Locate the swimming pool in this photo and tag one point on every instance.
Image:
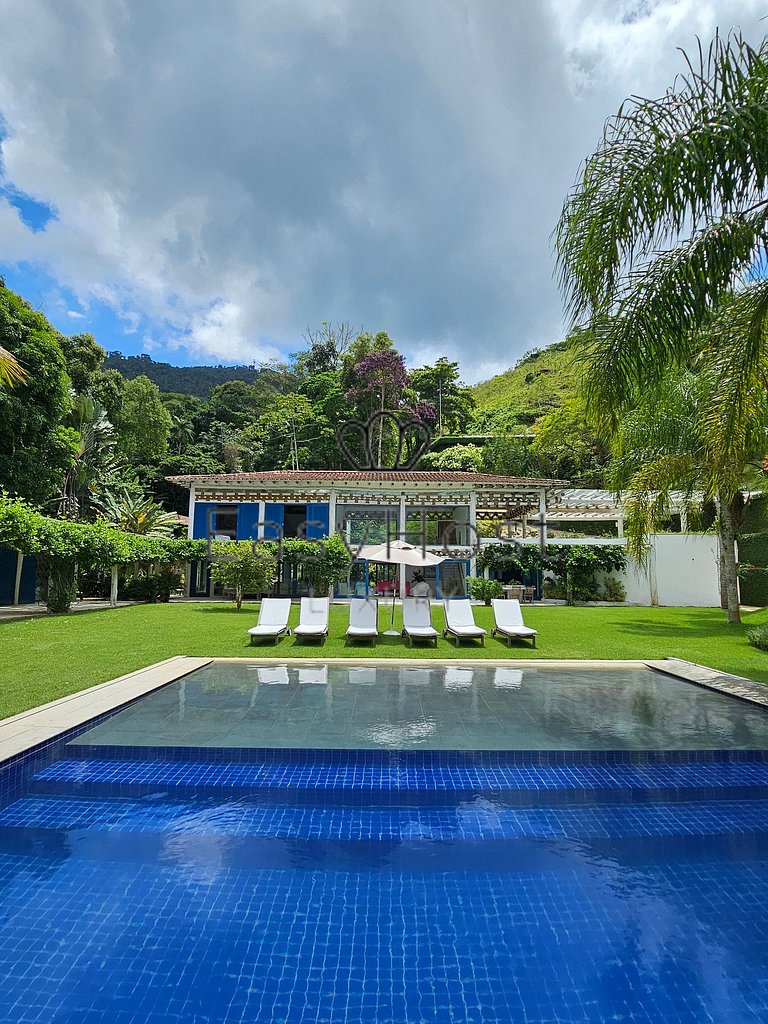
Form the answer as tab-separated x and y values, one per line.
148	873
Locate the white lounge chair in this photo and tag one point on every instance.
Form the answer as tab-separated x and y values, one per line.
417	620
363	619
509	622
273	619
460	622
313	618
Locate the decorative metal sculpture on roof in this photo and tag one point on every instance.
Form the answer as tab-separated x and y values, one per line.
363	450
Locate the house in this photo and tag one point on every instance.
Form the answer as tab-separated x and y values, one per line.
364	506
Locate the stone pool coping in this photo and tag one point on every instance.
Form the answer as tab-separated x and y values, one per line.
37	726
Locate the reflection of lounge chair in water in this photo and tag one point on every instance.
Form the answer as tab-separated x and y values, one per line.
508	678
313	674
276	675
458	678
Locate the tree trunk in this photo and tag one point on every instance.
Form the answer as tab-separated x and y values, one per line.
239	597
728	554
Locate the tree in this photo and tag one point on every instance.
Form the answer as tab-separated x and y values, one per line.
138	514
467	458
381	378
282	424
244	568
93	461
441	386
657	246
145	423
36	449
83	358
327	347
566	447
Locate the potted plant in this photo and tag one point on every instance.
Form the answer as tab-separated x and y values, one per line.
485	590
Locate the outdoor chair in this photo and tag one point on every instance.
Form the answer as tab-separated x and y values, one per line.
460	622
363	619
273	619
509	622
313	618
417	620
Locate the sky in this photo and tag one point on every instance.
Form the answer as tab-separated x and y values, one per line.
203	180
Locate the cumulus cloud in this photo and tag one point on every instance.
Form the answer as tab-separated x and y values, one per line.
226	174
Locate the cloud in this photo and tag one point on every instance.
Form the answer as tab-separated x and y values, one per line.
223	175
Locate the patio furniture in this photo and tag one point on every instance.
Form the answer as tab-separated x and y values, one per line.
514	591
417	620
363	619
313	618
529	595
509	622
460	622
273	619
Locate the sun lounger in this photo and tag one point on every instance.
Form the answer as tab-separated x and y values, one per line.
313	618
509	622
460	622
363	619
417	620
273	619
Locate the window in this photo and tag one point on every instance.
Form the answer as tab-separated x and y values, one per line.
225	521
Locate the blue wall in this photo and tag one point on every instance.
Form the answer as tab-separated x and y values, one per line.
8	577
247	518
318	512
200	520
273	513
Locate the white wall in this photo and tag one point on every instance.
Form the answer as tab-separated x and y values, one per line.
683	569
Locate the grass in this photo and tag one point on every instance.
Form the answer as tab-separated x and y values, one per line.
46	658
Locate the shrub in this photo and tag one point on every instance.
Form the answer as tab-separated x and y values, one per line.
153	587
758	636
753	548
753	585
244	568
553	590
614	590
484	590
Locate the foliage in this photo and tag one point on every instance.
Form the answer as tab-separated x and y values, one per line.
187	380
614	590
753	580
11	370
755	515
484	590
145	423
138	515
83	359
753	548
153	587
245	568
466	458
322	562
529	390
565	447
37	449
758	636
94	464
575	566
440	386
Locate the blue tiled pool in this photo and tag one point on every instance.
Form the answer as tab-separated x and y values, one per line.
186	882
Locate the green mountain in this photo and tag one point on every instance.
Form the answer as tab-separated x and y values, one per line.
183	380
540	382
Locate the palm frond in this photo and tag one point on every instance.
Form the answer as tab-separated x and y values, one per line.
11	370
667	167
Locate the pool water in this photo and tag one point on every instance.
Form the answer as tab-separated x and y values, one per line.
189	882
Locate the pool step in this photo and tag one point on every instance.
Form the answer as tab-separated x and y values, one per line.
473	820
397	784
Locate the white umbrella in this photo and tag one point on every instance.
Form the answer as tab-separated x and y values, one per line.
398	552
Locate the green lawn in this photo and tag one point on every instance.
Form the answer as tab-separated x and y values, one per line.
42	659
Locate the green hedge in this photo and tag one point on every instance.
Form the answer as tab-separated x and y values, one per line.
753	549
753	585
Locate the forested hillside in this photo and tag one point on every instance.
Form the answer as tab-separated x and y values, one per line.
185	380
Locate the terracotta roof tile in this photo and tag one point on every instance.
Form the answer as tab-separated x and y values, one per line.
352	476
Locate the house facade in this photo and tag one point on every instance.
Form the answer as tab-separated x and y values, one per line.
364	506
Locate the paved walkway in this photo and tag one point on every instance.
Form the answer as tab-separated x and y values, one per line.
28	611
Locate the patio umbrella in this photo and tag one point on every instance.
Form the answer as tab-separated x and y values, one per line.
398	552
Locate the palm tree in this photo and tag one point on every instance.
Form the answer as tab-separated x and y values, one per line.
657	249
11	370
94	457
139	515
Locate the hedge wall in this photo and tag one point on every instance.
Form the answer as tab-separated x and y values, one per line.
753	585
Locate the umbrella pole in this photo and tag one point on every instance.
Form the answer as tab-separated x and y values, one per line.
392	631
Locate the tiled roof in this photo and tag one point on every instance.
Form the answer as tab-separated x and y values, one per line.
355	476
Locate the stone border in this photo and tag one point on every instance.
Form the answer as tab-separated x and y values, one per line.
712	679
38	725
473	662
